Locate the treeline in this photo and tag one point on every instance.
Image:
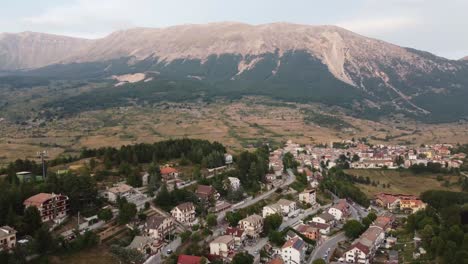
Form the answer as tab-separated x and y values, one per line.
338	183
197	151
431	167
443	226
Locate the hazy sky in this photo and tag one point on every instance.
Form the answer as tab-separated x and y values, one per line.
438	26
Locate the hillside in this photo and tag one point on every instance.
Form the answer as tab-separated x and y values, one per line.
290	62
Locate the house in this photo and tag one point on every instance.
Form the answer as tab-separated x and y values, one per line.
51	206
234	183
141	243
308	197
363	249
252	225
388	201
324	229
168	173
283	207
184	213
187	259
277	260
222	246
221	206
205	192
158	227
145	179
7	238
384	222
118	191
324	218
411	205
308	231
237	233
271	210
293	251
339	210
287	207
228	159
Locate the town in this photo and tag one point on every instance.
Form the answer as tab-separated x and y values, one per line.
202	205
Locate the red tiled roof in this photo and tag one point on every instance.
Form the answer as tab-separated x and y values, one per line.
37	199
168	170
277	260
186	259
205	190
237	232
361	247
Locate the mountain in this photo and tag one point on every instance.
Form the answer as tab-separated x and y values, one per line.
34	50
286	61
464	58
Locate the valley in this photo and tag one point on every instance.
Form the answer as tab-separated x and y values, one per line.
239	124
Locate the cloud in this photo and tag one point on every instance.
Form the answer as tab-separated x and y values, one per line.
379	25
89	17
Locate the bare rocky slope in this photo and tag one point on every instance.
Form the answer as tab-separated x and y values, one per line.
309	57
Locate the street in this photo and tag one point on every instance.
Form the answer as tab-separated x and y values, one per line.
331	243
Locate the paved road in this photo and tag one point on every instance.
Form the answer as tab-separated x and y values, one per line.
156	259
290	222
331	243
291	178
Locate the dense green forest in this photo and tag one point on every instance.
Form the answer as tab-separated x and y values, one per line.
443	226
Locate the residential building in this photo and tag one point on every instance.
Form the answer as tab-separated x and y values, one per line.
283	207
234	183
309	231
293	251
324	229
388	201
288	207
411	205
252	225
324	218
7	238
206	192
158	227
237	233
141	243
222	246
118	191
339	210
168	173
228	159
308	197
51	206
363	249
184	213
277	260
187	259
271	210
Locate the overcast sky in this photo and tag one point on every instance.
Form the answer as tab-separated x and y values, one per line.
438	26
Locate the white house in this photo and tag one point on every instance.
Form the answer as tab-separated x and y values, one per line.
120	190
228	159
271	210
234	183
308	197
293	251
158	227
324	218
184	213
288	207
363	249
252	225
222	246
339	210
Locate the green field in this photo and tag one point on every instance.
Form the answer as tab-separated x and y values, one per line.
404	182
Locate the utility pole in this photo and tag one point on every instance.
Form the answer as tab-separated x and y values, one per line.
43	156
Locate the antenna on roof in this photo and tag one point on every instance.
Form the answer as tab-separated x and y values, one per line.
43	155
